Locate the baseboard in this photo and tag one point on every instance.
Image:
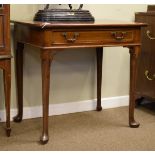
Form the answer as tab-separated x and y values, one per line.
71	107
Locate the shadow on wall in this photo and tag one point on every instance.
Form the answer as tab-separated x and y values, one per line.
71	70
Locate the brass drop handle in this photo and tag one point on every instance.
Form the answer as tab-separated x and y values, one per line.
73	39
147	76
118	35
148	33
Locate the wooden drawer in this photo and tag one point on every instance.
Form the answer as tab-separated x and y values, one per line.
92	37
1	32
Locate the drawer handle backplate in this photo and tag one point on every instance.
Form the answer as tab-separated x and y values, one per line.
147	76
148	33
118	35
71	40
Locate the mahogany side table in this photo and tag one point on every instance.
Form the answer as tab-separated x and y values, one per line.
49	37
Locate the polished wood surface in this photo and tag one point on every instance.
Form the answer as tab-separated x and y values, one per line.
5	59
50	37
146	62
97	23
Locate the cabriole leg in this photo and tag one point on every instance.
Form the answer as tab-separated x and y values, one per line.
134	52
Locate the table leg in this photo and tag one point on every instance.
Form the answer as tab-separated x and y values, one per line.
19	81
99	55
134	52
7	90
46	58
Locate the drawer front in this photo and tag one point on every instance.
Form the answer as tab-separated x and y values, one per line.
145	82
92	37
1	32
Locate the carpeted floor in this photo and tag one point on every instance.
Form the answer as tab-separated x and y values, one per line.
106	130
